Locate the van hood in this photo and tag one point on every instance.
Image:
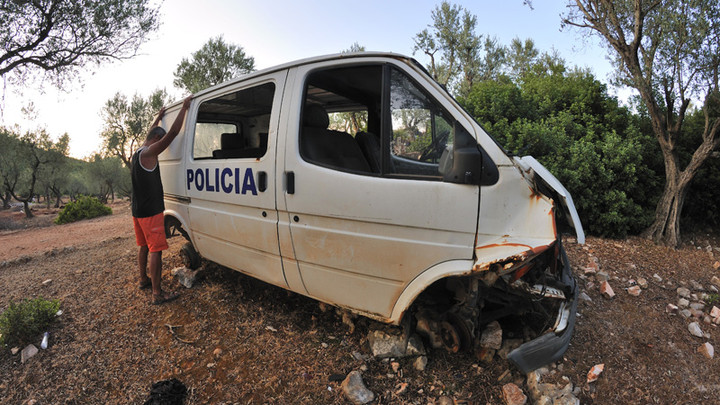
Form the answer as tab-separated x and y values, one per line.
544	182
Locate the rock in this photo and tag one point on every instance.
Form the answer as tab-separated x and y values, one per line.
14	350
595	372
508	346
28	352
420	363
385	345
714	312
685	313
395	366
401	388
683	292
715	280
585	297
606	290
46	282
634	290
592	267
560	393
696	286
485	355
513	395
602	276
707	350
707	320
445	400
695	330
427	327
671	309
696	313
185	276
355	389
217	352
643	283
683	303
657	278
697	306
716	265
491	337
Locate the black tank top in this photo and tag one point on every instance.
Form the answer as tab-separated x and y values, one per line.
147	189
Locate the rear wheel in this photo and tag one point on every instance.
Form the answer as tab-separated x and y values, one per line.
189	256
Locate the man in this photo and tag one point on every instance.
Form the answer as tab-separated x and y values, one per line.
148	204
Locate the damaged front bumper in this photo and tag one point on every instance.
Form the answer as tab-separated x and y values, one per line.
551	346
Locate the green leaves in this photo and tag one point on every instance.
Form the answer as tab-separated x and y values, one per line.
84	208
580	133
23	322
58	38
216	62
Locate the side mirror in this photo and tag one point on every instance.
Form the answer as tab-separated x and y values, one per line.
466	163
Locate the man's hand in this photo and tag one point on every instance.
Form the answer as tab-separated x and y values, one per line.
158	118
186	102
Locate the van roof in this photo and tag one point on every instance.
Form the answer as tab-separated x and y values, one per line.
315	59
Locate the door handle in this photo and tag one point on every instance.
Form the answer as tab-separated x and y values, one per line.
290	182
262	181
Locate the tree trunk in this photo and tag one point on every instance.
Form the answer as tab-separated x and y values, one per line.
5	197
26	208
665	228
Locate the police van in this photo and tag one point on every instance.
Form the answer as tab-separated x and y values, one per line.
357	180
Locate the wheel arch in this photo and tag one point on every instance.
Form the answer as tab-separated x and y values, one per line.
172	217
423	281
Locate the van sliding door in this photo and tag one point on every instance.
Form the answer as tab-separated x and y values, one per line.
229	177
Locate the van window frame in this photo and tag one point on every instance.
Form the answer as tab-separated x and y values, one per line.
239	87
385	115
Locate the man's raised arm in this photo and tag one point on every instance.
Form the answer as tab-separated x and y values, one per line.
159	146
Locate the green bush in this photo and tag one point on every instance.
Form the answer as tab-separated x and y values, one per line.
84	207
22	322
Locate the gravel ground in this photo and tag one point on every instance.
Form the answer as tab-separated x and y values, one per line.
232	339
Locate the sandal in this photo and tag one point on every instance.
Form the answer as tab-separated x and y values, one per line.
163	298
144	285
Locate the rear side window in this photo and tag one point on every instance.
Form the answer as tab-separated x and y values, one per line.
234	125
340	113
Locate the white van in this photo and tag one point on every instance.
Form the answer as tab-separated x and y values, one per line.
357	180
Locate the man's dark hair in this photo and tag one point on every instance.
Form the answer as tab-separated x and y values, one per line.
156	132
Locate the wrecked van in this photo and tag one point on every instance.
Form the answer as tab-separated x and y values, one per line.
357	180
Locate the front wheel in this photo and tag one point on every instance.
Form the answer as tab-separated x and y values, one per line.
189	256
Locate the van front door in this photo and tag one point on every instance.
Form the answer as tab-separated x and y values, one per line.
365	220
229	177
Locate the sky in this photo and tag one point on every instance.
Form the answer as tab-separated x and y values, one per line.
275	32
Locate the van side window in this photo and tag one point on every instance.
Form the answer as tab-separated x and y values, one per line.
341	124
340	119
234	125
421	131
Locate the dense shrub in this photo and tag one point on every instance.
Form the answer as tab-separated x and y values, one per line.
583	136
23	322
83	208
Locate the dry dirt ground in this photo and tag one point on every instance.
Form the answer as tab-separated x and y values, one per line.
231	339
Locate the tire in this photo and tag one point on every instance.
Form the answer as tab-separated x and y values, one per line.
189	256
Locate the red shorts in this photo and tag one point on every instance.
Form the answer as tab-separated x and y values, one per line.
150	232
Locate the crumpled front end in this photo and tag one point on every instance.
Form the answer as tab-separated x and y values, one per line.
550	346
519	295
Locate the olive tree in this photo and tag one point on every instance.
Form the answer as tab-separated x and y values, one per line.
216	62
127	122
57	38
669	51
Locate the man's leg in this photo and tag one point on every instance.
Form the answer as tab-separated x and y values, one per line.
142	266
156	272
